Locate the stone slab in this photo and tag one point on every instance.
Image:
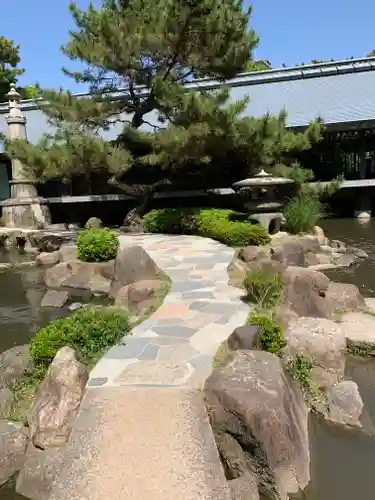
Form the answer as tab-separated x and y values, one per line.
142	443
155	372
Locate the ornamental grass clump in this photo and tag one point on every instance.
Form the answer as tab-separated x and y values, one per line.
97	245
264	288
302	213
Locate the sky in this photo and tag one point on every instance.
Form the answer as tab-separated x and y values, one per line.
291	31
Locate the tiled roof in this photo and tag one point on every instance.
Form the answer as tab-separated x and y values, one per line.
338	92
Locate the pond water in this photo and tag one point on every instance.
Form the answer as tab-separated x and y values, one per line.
342	462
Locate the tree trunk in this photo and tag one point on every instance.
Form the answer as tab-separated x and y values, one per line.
144	195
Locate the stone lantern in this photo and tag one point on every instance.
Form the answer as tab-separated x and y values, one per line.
24	208
259	197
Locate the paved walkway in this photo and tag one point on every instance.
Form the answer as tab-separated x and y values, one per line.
176	345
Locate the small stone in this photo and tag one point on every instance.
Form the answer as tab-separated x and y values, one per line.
319	234
94	223
14	364
75	306
55	298
243	337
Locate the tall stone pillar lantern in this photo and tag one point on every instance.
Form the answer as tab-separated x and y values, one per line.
24	208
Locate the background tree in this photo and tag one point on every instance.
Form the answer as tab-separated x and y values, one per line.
9	60
139	56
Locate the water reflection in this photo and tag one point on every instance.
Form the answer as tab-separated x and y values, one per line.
360	235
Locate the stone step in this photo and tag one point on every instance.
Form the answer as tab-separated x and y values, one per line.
137	443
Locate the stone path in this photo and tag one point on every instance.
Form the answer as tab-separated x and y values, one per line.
176	345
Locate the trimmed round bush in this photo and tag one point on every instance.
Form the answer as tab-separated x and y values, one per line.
97	245
89	331
231	228
93	222
227	226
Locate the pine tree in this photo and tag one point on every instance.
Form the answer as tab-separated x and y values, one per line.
9	60
139	57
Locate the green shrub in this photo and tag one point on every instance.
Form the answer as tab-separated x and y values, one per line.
302	213
226	226
271	336
97	245
90	331
264	288
170	221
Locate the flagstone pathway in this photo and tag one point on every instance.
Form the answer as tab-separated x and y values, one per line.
176	345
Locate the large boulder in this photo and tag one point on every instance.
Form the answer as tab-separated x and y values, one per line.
344	296
345	405
323	342
139	297
57	401
14	364
13	442
291	254
265	434
133	264
93	276
304	292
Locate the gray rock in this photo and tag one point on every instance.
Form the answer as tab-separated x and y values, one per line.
319	234
39	471
358	253
6	401
251	253
57	401
92	276
290	254
265	434
345	296
304	292
244	487
345	405
13	442
139	297
237	271
93	223
14	364
338	246
343	259
131	265
48	258
322	341
243	337
55	298
75	306
316	259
